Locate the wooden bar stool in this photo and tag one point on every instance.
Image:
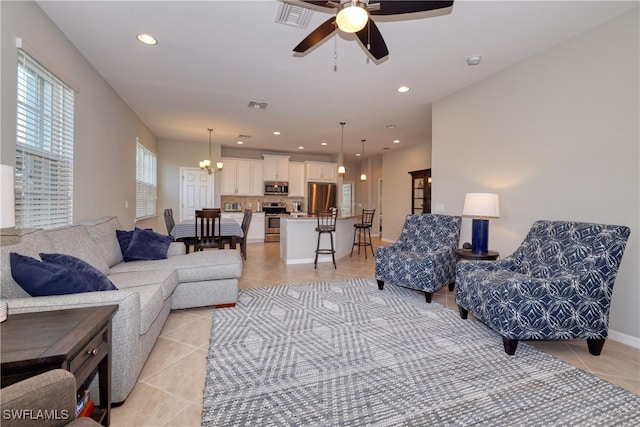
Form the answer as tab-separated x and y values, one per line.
326	225
362	232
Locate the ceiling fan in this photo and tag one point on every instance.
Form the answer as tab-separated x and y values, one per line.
353	16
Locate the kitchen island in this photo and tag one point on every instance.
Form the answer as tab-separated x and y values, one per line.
298	239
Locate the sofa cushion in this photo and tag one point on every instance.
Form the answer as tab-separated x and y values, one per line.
96	278
147	245
75	240
167	279
195	267
31	243
103	232
43	278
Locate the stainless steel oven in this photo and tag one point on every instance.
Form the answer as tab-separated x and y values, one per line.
273	211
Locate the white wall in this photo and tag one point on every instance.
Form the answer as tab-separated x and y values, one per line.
396	187
557	136
105	127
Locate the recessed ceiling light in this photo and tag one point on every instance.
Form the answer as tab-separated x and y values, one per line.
240	142
147	39
396	141
474	60
357	154
301	148
276	132
323	143
391	126
403	89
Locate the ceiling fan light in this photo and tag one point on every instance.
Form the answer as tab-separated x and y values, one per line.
352	17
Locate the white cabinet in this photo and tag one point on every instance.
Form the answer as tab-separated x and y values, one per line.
256	226
321	172
296	179
241	177
276	168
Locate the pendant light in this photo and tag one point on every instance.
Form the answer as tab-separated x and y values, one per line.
205	165
341	169
363	176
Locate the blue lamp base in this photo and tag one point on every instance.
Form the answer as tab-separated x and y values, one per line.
480	235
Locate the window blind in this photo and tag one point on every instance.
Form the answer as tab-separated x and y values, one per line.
44	147
146	181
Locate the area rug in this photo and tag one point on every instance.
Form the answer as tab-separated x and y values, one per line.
347	354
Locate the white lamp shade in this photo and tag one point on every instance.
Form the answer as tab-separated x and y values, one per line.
8	208
481	205
352	19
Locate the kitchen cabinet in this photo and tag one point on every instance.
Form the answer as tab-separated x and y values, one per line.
296	179
321	172
241	177
421	191
256	227
276	168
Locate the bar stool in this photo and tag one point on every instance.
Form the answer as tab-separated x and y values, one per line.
326	225
362	232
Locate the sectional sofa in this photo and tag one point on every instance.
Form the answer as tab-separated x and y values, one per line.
146	290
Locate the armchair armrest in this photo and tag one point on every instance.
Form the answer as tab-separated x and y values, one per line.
52	393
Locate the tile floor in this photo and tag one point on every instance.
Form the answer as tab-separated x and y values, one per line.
169	389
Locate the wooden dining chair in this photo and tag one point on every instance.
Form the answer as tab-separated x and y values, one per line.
207	230
246	221
170	223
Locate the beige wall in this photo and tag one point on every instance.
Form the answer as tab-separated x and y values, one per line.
105	127
396	192
557	137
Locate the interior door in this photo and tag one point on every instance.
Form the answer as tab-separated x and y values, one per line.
196	191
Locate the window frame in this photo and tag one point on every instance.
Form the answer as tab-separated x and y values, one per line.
146	182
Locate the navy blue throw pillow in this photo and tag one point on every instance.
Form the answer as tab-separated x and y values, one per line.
97	280
147	245
124	239
43	279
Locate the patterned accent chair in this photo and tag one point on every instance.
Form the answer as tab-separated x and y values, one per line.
423	257
556	285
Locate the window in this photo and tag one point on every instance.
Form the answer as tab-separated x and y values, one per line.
146	182
44	147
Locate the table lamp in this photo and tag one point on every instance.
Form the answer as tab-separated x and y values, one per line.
480	207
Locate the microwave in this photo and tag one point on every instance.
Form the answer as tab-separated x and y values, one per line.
276	188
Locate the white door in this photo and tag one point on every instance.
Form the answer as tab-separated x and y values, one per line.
196	192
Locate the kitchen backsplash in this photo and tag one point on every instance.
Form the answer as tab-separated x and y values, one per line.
251	202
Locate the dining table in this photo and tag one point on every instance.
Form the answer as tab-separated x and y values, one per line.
229	228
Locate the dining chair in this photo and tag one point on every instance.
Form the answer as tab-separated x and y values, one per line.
170	223
246	221
207	230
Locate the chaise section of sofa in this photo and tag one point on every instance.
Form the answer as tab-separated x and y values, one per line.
147	290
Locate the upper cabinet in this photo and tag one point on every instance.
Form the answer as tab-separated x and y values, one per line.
321	172
241	177
276	168
296	179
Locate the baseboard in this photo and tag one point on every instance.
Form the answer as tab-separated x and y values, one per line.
625	339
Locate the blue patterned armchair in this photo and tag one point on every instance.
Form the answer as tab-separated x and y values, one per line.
423	257
556	285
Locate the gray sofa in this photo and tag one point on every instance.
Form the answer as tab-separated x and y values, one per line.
147	290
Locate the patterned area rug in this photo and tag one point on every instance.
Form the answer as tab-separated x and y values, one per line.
347	354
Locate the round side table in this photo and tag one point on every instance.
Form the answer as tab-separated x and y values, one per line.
476	256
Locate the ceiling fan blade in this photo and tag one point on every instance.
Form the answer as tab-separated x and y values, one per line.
370	35
317	35
400	6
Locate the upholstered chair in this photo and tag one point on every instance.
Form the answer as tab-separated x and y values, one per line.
556	285
423	257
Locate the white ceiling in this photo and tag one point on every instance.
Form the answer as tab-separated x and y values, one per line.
213	57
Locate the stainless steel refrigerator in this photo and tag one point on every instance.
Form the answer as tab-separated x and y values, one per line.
320	197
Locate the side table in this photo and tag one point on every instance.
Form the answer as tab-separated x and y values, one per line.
78	340
476	256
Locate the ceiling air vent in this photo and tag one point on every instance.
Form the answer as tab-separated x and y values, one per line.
257	105
296	16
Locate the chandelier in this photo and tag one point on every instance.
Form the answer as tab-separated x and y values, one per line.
205	165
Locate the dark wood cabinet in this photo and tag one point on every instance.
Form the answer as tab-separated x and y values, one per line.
421	191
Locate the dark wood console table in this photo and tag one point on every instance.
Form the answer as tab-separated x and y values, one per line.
78	340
